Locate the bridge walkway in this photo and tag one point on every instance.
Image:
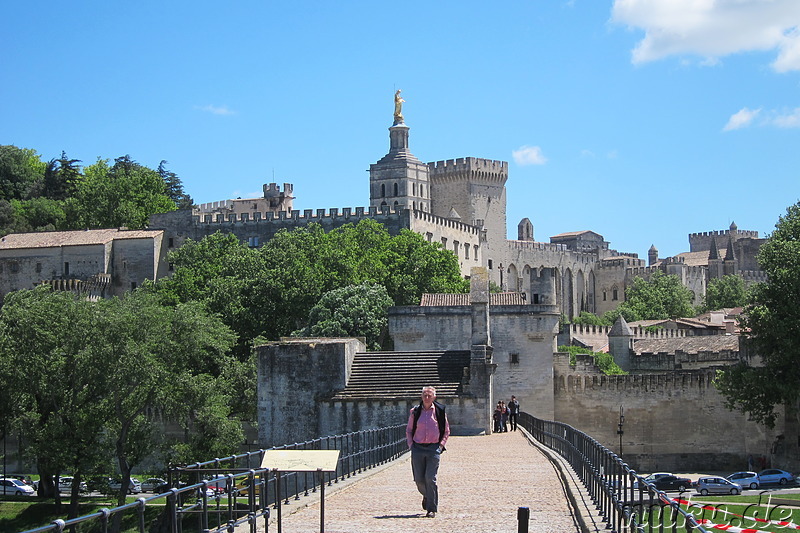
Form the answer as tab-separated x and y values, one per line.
483	480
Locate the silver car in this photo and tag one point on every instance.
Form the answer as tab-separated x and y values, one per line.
745	479
11	486
717	485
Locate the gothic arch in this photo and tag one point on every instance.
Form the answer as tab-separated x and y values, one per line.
568	294
591	290
580	292
513	279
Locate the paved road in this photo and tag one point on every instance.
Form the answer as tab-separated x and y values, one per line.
483	480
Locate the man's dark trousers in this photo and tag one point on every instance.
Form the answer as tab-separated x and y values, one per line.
425	466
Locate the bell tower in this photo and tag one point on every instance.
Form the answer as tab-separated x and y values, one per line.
399	180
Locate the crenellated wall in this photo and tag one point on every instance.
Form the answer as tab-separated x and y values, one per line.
674	421
702	240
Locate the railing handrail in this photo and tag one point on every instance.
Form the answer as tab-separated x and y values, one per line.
622	496
360	451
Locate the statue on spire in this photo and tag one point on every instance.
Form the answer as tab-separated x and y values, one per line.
398	108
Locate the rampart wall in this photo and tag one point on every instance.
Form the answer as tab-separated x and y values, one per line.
674	421
702	240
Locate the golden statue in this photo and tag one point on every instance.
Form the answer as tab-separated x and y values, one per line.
398	108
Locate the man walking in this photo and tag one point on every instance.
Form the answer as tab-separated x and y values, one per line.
426	434
513	412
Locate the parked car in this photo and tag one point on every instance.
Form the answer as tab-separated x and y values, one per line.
717	485
15	487
672	483
652	477
98	484
218	483
774	475
65	484
135	486
152	483
748	480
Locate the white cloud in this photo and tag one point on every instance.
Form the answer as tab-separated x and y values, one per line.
587	153
529	155
216	110
788	120
713	28
742	118
613	154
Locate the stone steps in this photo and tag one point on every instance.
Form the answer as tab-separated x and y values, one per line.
401	375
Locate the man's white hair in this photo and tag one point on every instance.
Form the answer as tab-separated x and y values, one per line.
428	387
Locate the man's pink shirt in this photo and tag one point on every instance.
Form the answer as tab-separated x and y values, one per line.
427	427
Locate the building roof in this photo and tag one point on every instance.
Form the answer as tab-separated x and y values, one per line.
702	343
500	298
574	234
692	323
50	239
695	258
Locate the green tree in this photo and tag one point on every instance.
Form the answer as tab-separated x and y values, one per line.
662	296
353	311
123	194
174	187
727	291
21	173
60	177
590	319
38	214
93	370
771	324
43	349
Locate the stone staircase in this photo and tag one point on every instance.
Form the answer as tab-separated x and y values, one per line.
401	375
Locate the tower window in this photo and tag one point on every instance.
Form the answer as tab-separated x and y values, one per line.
514	358
396	189
614	294
383	189
490	264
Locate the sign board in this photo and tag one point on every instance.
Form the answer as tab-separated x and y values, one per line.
301	460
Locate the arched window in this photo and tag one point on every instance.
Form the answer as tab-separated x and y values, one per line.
395	190
414	188
422	190
383	189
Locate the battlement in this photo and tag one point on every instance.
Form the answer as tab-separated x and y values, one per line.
577	381
621	261
455	169
724	233
702	241
446	222
468	163
308	215
272	190
753	276
581	330
546	246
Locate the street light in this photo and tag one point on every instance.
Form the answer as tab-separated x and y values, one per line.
620	432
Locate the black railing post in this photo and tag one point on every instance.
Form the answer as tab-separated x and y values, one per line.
523	517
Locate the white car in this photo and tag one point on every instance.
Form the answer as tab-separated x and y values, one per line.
15	487
151	484
745	479
65	484
135	486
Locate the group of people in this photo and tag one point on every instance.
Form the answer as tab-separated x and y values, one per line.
505	414
427	432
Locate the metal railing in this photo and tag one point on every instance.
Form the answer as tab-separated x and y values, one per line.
223	493
624	500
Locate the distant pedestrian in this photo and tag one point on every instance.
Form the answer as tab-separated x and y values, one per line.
427	432
513	412
503	417
497	417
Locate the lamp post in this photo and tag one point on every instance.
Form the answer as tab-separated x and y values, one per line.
620	432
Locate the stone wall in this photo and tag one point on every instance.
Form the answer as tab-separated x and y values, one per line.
675	421
523	340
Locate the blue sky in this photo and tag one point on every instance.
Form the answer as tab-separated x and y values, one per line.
643	120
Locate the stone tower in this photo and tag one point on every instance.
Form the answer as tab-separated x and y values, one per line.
399	179
475	189
652	255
